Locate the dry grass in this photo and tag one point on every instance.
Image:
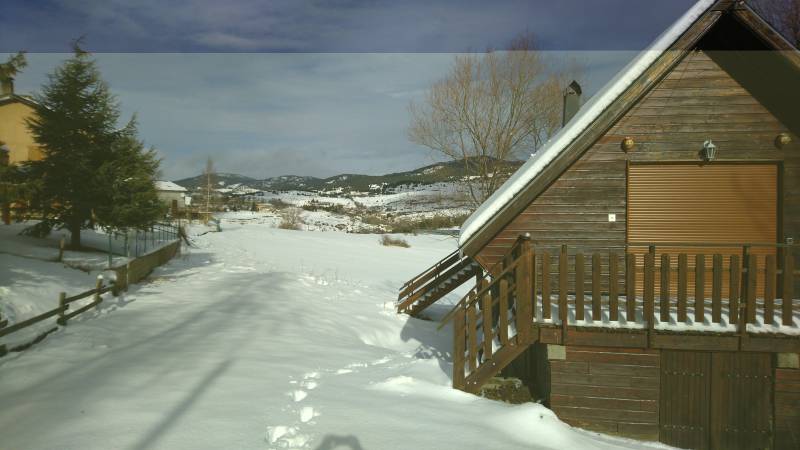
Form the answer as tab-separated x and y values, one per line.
389	241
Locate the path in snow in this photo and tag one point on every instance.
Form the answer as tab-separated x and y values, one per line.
264	338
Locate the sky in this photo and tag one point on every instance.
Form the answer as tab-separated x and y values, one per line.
268	88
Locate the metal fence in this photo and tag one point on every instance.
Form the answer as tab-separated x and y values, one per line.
134	243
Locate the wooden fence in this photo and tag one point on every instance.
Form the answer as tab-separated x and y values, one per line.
533	286
61	312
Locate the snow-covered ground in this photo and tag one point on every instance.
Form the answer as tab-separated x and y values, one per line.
263	338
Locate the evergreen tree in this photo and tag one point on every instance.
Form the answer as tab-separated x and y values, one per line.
86	159
129	178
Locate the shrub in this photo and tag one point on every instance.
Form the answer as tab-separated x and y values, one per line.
278	203
389	241
291	219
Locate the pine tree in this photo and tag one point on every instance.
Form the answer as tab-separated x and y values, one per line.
86	159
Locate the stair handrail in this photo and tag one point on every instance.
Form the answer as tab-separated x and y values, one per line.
475	292
410	285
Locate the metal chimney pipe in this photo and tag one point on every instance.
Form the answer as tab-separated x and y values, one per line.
572	101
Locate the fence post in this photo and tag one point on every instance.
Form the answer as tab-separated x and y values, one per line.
61	250
3	323
97	286
62	306
110	255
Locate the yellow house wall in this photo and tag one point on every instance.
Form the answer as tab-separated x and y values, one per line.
15	134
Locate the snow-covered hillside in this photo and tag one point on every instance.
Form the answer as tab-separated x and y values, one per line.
262	338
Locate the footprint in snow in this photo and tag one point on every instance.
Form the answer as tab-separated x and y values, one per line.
282	436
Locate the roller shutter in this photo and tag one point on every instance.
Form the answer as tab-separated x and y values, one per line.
713	203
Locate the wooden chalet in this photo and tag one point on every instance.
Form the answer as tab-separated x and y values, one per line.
639	273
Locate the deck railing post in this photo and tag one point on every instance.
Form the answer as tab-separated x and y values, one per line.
649	288
788	286
665	277
613	284
699	288
597	296
459	330
630	288
563	269
579	286
524	288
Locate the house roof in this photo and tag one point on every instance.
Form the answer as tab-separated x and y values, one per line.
169	186
12	98
602	111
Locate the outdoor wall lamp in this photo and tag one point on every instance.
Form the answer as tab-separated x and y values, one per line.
709	151
783	140
628	143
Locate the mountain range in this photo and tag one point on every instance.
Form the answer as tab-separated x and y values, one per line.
435	173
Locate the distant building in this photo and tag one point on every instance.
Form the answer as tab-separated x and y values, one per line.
175	196
14	134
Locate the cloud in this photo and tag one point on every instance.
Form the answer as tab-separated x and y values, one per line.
337	26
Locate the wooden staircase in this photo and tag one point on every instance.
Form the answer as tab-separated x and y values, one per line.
493	323
439	280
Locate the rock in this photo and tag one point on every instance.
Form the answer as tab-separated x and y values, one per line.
509	390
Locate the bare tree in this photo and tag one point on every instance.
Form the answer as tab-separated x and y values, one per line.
784	15
492	107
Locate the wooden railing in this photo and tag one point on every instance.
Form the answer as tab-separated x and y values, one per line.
60	311
646	287
492	323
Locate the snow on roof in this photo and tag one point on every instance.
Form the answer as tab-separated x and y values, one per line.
582	120
169	186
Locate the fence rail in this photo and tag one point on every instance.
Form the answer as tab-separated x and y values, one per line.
60	311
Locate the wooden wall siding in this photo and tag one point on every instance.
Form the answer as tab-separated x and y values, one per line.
610	390
787	409
696	101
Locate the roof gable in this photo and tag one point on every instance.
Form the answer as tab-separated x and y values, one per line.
599	115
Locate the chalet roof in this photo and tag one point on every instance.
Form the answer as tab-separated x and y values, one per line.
169	186
507	201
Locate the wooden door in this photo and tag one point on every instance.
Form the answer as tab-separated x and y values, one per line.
741	401
716	401
685	399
